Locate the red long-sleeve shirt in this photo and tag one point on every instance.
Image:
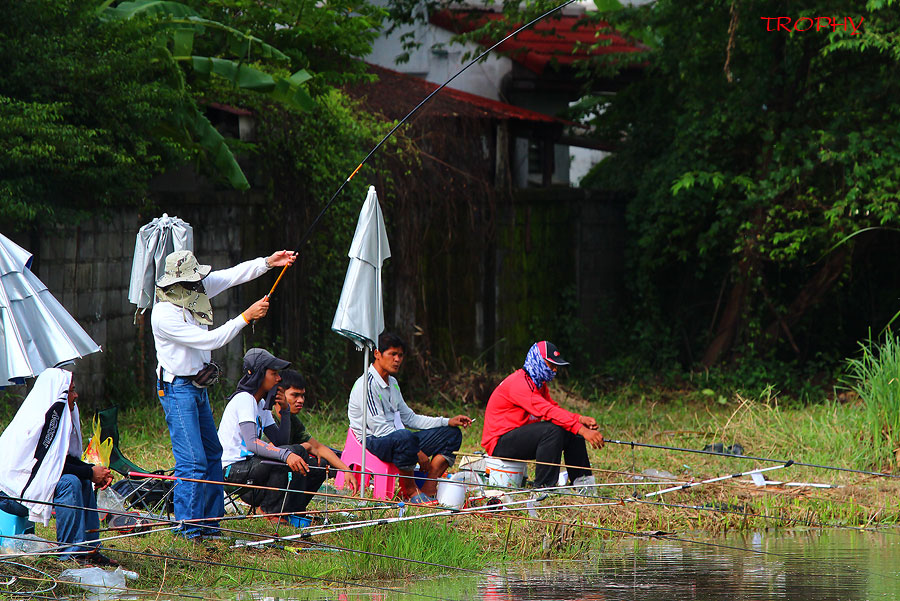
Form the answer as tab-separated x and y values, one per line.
515	403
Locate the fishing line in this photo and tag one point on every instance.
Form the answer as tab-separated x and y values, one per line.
565	465
227	518
47	577
769	459
57	581
334	196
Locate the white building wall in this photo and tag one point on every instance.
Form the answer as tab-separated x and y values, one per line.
436	60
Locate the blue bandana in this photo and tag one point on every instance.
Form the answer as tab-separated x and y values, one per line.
536	368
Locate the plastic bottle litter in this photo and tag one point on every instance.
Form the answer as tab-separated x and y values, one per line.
652	472
106	584
26	543
109	500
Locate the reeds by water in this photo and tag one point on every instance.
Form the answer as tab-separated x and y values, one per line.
875	377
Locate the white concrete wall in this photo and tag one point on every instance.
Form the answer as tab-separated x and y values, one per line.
437	64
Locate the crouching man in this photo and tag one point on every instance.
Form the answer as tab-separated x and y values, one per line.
246	458
288	403
434	443
41	465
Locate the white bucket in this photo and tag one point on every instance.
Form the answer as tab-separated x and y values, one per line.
501	472
451	493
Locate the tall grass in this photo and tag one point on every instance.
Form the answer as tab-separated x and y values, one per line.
431	541
875	377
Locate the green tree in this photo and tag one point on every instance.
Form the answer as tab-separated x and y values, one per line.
84	111
747	154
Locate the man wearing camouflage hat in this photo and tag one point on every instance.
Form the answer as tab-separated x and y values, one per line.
180	319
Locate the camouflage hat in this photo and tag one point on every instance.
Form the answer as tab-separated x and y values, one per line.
182	266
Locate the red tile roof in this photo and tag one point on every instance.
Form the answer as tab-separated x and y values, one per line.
395	94
558	38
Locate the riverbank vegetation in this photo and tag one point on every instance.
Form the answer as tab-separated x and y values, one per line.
832	432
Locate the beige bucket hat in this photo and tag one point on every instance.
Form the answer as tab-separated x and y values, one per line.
182	266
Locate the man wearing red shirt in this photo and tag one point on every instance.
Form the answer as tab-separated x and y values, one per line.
522	421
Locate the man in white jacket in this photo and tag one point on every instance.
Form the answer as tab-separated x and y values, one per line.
181	318
41	466
432	446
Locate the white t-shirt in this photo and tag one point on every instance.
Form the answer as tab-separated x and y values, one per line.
243	407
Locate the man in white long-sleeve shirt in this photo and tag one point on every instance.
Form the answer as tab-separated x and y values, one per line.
432	446
180	319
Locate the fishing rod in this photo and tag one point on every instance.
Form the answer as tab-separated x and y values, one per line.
769	459
229	518
353	526
482	455
717	479
424	101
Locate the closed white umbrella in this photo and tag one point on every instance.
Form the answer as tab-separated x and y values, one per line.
360	310
155	241
36	330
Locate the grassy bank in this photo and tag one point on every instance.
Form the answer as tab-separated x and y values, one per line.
828	434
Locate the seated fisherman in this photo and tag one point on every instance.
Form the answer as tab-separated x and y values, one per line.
522	421
247	459
289	402
41	466
433	446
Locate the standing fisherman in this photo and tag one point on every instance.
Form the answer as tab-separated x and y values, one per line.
181	320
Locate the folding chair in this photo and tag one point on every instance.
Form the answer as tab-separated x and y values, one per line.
142	494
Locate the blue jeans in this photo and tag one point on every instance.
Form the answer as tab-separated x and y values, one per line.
72	524
198	455
401	447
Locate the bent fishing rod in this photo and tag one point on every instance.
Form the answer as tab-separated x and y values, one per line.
769	459
424	101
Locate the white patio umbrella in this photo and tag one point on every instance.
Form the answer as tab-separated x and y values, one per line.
36	330
360	310
154	242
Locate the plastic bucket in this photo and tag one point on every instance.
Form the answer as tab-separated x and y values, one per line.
12	525
501	472
299	521
451	493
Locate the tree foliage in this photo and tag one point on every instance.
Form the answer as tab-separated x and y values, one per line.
84	108
746	155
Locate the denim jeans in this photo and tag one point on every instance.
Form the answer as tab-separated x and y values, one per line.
198	455
401	447
72	524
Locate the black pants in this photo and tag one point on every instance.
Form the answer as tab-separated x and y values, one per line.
545	442
274	474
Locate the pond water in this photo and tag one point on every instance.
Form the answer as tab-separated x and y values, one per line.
809	565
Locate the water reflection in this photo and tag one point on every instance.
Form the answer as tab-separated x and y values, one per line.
798	566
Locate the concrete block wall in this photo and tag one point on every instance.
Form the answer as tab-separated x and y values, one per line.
87	267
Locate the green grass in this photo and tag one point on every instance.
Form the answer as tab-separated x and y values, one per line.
823	433
875	377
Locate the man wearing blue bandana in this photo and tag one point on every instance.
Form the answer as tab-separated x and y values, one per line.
522	421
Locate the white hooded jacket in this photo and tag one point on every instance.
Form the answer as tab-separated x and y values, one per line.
36	442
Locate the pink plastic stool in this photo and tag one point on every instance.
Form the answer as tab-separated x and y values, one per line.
383	473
